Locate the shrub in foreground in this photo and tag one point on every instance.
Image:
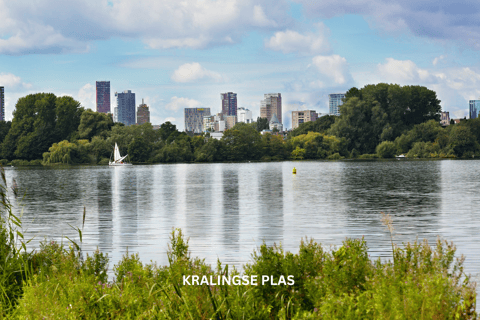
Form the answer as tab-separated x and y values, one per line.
423	282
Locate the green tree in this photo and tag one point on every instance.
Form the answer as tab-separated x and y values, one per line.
262	124
94	124
139	150
463	141
386	149
242	142
383	112
320	125
68	112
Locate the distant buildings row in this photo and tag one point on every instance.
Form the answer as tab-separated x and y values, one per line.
199	120
125	110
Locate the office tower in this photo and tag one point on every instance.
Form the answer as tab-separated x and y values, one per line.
474	108
194	119
445	118
229	103
125	107
143	114
334	102
103	96
270	105
244	115
299	117
2	104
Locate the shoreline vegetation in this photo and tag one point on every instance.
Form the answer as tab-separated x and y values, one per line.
377	122
59	282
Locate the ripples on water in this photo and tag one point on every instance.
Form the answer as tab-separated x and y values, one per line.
227	210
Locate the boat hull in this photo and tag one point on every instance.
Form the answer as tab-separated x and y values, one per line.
119	164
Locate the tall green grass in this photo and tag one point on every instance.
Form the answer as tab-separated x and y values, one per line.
58	282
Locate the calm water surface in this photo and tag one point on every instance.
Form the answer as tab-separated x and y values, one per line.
227	210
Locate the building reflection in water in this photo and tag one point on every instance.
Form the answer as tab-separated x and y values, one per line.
126	191
199	201
231	217
270	204
105	210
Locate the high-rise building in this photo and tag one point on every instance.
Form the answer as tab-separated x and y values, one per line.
229	103
244	115
299	117
194	119
2	104
103	96
270	105
230	121
474	108
143	114
125	107
334	103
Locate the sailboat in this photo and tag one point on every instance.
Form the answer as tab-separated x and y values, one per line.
117	158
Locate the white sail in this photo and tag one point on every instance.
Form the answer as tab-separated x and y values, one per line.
117	158
116	155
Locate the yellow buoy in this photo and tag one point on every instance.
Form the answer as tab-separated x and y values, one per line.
294	170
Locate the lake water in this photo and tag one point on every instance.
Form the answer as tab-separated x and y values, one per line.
228	209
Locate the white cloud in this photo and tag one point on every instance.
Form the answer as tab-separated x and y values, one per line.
292	41
12	82
34	27
437	59
403	72
190	72
177	103
86	97
333	67
442	20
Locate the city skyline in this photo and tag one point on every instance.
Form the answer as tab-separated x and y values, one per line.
181	56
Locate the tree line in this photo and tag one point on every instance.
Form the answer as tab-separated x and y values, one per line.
380	120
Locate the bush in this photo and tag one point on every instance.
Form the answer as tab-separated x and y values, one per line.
386	149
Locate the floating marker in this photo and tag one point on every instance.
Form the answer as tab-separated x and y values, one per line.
294	170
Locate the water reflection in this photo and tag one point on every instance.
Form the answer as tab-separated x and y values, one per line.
105	209
270	204
199	195
231	217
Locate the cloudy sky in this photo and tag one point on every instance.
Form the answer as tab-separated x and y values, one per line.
184	53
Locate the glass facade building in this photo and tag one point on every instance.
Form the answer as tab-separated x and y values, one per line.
125	110
334	103
474	108
103	96
194	119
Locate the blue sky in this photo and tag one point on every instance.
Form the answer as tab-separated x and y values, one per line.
178	54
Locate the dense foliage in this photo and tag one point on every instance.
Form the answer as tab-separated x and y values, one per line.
377	121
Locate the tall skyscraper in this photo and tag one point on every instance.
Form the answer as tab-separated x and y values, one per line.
2	104
125	107
334	102
272	104
143	114
194	119
103	96
474	108
229	103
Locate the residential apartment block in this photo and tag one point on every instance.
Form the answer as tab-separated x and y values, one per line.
445	118
299	117
270	105
229	103
103	96
244	115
